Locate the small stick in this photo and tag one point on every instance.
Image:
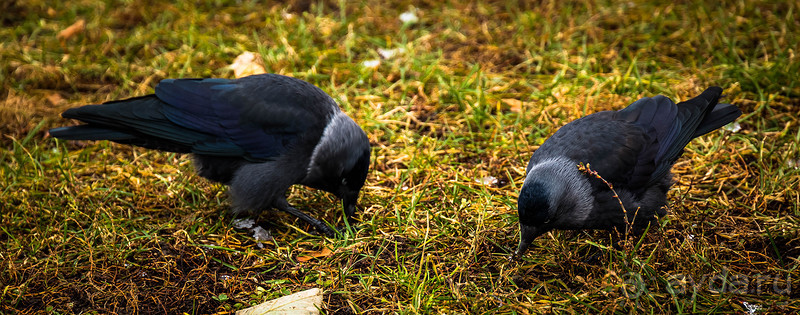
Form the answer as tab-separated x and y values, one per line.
587	170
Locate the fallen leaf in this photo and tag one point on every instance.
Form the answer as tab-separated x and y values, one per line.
515	105
72	30
409	17
390	53
368	98
303	302
246	64
55	99
372	63
325	252
244	223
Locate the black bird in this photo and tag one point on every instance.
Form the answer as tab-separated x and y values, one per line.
259	134
633	149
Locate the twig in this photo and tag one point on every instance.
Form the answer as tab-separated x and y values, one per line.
585	168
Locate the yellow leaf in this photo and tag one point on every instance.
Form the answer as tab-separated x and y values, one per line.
72	30
514	104
247	64
55	99
325	252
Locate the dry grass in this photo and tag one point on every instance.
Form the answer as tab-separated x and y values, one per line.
105	228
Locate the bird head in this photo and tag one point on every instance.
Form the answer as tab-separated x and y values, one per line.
555	195
340	161
536	210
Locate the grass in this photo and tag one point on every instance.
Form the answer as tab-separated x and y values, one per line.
95	227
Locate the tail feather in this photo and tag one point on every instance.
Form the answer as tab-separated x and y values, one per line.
137	121
89	132
695	117
143	110
691	114
721	115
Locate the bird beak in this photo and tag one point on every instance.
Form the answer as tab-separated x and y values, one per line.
349	203
527	234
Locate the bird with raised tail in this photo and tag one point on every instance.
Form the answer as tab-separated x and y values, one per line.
259	134
632	150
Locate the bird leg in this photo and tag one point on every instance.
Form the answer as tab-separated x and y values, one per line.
319	225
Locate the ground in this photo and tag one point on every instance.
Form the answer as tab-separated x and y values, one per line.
454	103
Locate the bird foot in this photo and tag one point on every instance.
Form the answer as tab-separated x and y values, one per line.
321	227
515	257
353	226
324	229
342	229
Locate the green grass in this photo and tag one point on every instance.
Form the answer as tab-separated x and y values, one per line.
105	228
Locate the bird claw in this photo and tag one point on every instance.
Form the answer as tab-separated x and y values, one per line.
514	257
321	227
325	230
340	230
349	226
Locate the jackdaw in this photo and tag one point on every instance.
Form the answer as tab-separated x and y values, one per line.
259	134
633	149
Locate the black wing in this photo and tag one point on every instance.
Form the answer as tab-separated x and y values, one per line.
612	147
636	146
256	117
